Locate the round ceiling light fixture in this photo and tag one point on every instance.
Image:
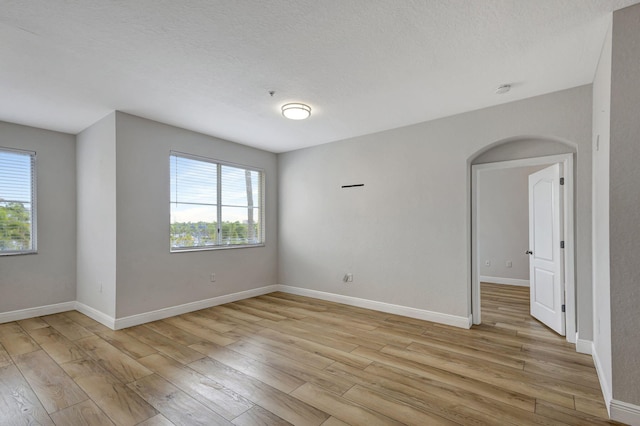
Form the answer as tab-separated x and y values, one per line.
503	88
296	111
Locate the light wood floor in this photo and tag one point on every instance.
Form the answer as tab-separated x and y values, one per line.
280	359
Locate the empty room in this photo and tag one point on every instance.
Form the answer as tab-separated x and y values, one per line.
419	212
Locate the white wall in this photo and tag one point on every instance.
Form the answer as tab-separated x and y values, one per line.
624	193
503	224
601	288
149	277
96	168
405	235
48	277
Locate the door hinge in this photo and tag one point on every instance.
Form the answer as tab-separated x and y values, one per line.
563	308
562	181
561	244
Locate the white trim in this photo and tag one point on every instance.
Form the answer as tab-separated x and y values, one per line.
584	346
524	162
454	320
137	319
625	412
130	321
171	311
567	160
507	281
571	319
606	392
36	312
95	314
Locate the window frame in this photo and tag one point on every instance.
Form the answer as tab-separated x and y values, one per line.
219	164
34	203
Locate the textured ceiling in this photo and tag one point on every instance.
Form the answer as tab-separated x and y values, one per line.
362	65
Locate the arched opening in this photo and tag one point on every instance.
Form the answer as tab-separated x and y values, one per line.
518	156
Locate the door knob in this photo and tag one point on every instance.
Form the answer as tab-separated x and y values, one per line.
528	252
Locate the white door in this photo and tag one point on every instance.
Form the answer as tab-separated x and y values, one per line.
545	253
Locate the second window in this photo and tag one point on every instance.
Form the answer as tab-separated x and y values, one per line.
214	204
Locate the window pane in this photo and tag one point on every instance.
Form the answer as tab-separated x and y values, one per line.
15	177
193	226
16	191
240	225
15	226
193	181
240	187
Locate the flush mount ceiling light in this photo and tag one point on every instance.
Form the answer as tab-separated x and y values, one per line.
503	88
296	111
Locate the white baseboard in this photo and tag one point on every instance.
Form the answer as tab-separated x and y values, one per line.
619	411
583	346
456	321
625	412
171	311
97	315
507	281
604	386
130	321
36	312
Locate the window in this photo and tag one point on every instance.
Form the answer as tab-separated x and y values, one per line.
214	204
17	202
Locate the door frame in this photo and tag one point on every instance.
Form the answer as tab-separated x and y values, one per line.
568	218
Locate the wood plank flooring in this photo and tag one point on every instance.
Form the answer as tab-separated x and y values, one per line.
281	359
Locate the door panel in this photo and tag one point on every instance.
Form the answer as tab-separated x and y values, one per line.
544	288
546	258
543	220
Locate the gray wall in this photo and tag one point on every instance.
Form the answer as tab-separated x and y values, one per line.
405	235
96	168
503	221
149	277
625	205
48	277
601	288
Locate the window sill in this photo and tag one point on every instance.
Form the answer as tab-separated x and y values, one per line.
17	253
229	247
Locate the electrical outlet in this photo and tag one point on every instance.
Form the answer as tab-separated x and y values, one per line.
212	277
487	263
509	264
348	278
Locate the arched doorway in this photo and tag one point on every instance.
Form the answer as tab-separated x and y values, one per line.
525	153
